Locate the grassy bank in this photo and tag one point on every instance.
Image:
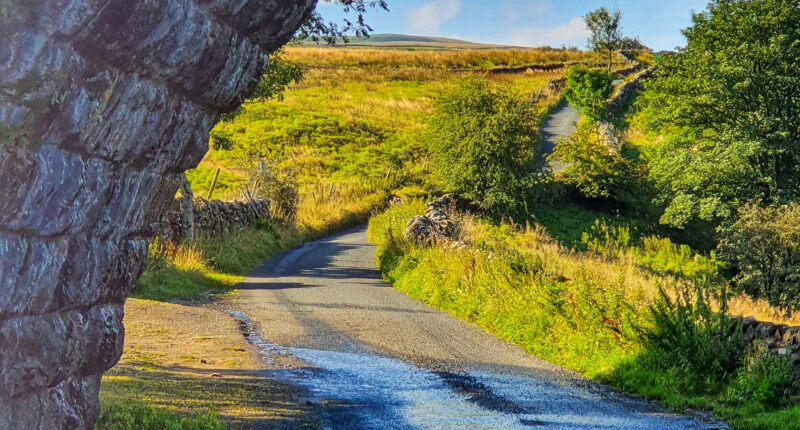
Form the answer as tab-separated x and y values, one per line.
588	312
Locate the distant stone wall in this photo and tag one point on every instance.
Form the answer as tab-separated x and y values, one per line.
211	218
436	227
621	96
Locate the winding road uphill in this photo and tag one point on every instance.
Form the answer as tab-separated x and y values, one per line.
372	358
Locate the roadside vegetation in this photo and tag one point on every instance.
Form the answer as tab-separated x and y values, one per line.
669	223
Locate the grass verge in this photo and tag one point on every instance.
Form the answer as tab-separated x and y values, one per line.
590	313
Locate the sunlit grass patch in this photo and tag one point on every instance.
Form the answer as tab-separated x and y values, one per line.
186	367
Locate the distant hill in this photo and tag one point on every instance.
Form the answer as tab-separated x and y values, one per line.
405	41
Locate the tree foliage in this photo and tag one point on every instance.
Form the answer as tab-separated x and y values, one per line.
588	90
484	143
604	26
318	29
592	167
731	100
762	249
277	76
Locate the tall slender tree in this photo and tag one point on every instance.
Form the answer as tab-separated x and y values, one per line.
606	36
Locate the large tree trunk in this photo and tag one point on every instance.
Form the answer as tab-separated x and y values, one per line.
103	105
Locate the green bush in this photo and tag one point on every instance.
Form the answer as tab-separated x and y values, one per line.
588	90
608	240
484	144
703	346
762	250
654	253
662	256
592	166
729	103
766	379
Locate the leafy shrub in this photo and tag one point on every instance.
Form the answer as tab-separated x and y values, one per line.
766	379
609	240
588	90
662	256
484	143
592	166
687	336
656	254
762	249
276	182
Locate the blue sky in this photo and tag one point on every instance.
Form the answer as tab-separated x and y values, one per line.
530	22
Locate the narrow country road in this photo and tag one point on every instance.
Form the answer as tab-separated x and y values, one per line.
373	358
560	123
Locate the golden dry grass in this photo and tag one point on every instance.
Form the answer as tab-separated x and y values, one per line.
447	59
638	284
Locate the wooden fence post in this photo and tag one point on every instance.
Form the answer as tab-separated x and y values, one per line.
213	184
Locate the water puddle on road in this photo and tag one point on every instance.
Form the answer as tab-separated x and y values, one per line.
366	391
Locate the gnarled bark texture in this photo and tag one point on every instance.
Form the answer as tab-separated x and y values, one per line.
103	104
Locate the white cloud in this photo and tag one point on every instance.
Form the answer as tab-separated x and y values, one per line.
530	11
427	19
572	33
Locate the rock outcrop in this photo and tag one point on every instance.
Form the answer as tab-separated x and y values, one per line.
436	226
103	103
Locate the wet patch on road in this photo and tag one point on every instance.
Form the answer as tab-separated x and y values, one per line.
478	393
361	390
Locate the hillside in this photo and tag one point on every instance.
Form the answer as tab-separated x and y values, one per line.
405	41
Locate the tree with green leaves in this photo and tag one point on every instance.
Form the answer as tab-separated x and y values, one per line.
606	37
484	144
762	252
729	104
588	90
592	166
318	29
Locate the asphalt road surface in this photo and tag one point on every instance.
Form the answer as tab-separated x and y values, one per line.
373	358
560	123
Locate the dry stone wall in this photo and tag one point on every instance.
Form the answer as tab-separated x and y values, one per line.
621	96
779	339
103	103
212	218
436	227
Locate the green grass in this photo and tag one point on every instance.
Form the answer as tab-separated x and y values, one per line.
212	264
567	220
585	311
139	416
